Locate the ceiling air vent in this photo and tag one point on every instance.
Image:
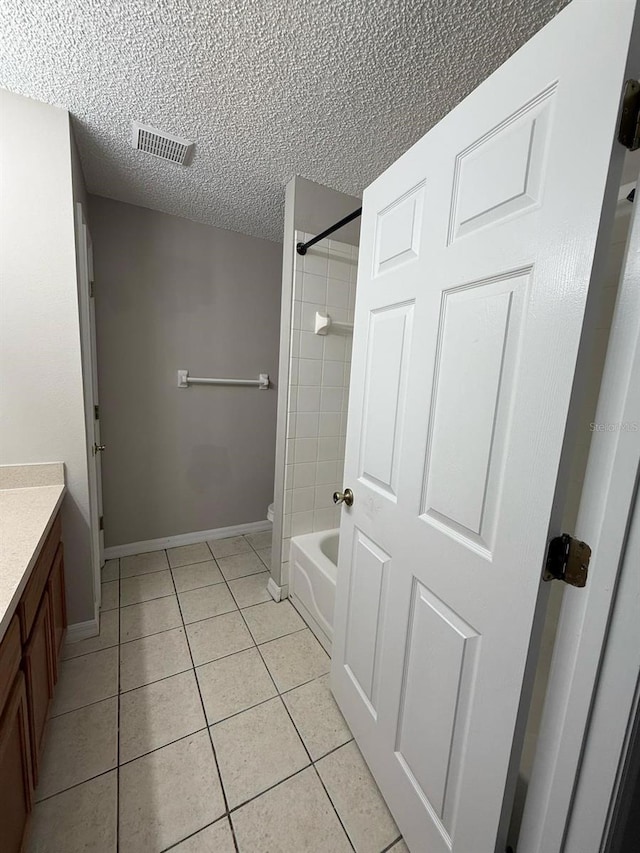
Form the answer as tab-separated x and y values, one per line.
162	145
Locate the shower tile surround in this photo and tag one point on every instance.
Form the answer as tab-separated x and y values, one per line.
219	734
319	368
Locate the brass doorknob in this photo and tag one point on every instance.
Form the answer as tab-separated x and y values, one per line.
345	497
98	448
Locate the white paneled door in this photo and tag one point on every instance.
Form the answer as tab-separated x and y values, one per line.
478	249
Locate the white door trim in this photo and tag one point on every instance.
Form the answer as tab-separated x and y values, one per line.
577	764
88	394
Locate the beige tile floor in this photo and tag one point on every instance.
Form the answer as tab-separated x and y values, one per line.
201	721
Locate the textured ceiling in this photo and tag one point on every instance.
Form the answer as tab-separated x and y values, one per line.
333	90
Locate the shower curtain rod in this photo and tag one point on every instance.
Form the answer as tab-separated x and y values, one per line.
301	248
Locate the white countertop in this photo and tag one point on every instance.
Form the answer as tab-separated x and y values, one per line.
26	517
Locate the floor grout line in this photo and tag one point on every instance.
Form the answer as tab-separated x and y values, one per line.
163	745
143	574
76	785
193	563
202	828
145	600
237	713
80	707
333	806
206	618
392	845
169	595
179	627
270	788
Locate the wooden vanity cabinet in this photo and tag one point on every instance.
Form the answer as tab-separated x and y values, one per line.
57	603
29	654
37	663
16	779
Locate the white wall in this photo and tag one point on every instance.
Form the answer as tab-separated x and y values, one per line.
41	402
311	208
324	281
317	207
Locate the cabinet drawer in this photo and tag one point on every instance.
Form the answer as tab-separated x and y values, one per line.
16	782
55	588
37	661
10	654
30	601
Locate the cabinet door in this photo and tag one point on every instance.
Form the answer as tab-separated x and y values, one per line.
38	668
16	781
55	588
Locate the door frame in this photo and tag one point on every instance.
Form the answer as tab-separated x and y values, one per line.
592	694
84	305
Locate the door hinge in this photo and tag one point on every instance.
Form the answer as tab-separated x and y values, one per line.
101	523
567	560
629	130
91	290
96	412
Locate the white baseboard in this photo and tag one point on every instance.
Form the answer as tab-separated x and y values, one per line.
82	630
184	539
274	590
278	593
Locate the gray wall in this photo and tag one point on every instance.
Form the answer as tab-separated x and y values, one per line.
170	294
41	398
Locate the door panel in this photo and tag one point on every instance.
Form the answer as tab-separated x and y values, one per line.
398	230
386	387
437	686
369	573
475	373
502	173
476	255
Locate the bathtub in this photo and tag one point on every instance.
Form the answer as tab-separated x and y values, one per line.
312	581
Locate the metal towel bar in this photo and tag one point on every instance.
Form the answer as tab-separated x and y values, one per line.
184	380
